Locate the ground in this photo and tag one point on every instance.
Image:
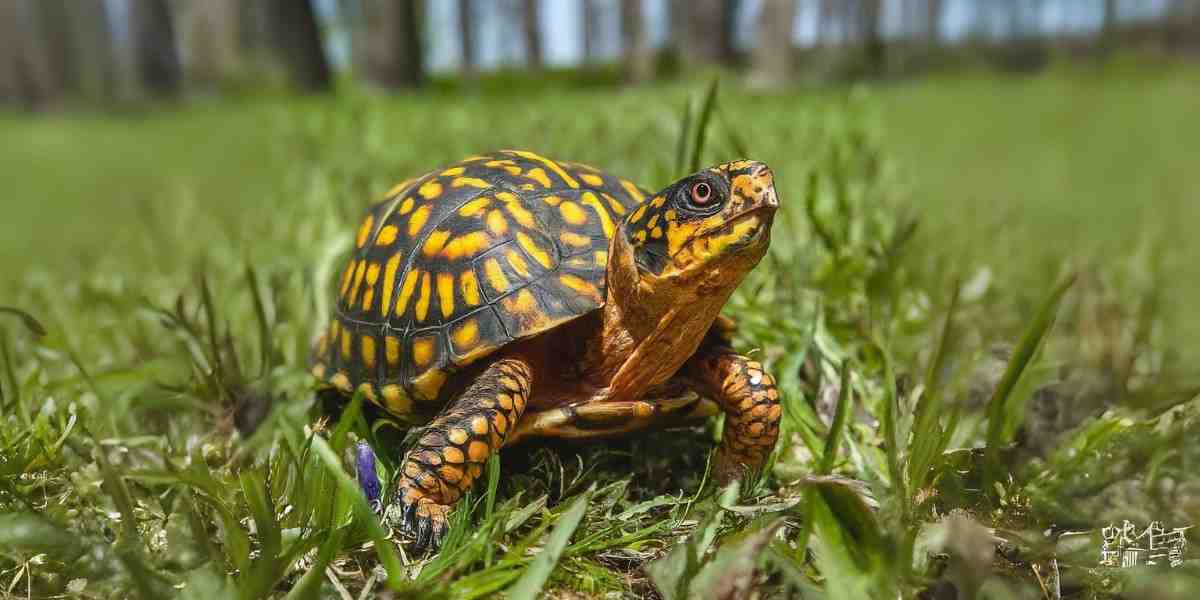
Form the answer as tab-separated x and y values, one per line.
940	390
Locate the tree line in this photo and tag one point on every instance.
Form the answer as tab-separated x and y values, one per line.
54	52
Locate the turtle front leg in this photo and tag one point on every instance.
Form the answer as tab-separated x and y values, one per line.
748	397
451	454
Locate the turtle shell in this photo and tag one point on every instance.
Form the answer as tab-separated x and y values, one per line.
453	265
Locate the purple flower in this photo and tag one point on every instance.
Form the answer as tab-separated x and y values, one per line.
368	479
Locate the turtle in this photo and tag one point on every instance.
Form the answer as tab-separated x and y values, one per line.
510	296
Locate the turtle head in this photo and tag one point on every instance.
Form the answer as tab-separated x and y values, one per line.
714	225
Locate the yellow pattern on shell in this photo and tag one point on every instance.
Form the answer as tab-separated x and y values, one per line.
606	221
466	245
422	351
406	290
633	191
430	189
496	223
532	249
495	275
422	308
389	283
594	180
435	242
417	220
369	294
387	235
553	166
572	213
445	287
364	231
470	181
469	287
474	207
539	176
368	352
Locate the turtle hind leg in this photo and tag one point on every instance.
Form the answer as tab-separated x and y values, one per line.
451	453
607	419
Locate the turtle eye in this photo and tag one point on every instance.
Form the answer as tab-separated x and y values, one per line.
701	194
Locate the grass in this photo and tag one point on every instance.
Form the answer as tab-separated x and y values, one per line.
943	385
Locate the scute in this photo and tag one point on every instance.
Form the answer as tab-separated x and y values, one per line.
453	265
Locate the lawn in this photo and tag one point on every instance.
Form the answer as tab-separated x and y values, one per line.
158	438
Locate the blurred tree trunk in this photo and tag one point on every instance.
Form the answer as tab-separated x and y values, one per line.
869	31
588	24
466	36
52	25
933	21
297	42
96	62
393	45
28	70
531	27
708	31
210	31
637	59
153	36
772	56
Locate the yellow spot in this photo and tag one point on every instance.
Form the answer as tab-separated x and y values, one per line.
453	172
552	200
669	215
513	170
590	179
468	285
364	230
572	213
406	291
656	233
368	351
640	235
653	220
386	236
389	282
347	339
422	351
341	382
422	308
532	249
528	187
518	264
478	451
435	242
495	275
553	166
520	213
539	176
601	258
523	301
369	293
458	435
399	187
633	191
571	238
428	384
638	214
497	163
473	207
395	400
466	246
496	223
466	335
606	221
507	196
445	286
335	329
616	206
391	348
479	426
406	206
581	286
657	202
417	220
430	189
474	182
358	277
346	278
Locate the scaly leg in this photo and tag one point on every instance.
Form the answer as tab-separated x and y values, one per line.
451	454
748	397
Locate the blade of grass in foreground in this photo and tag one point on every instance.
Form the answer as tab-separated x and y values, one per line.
531	582
1022	355
832	442
706	111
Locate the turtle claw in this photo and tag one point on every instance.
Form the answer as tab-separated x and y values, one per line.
424	520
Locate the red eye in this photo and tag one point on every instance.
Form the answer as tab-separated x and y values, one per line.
701	194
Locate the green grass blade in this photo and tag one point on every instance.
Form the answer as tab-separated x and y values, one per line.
706	111
1031	340
681	144
833	441
32	324
535	576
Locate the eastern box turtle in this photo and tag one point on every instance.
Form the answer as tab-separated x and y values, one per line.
510	295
